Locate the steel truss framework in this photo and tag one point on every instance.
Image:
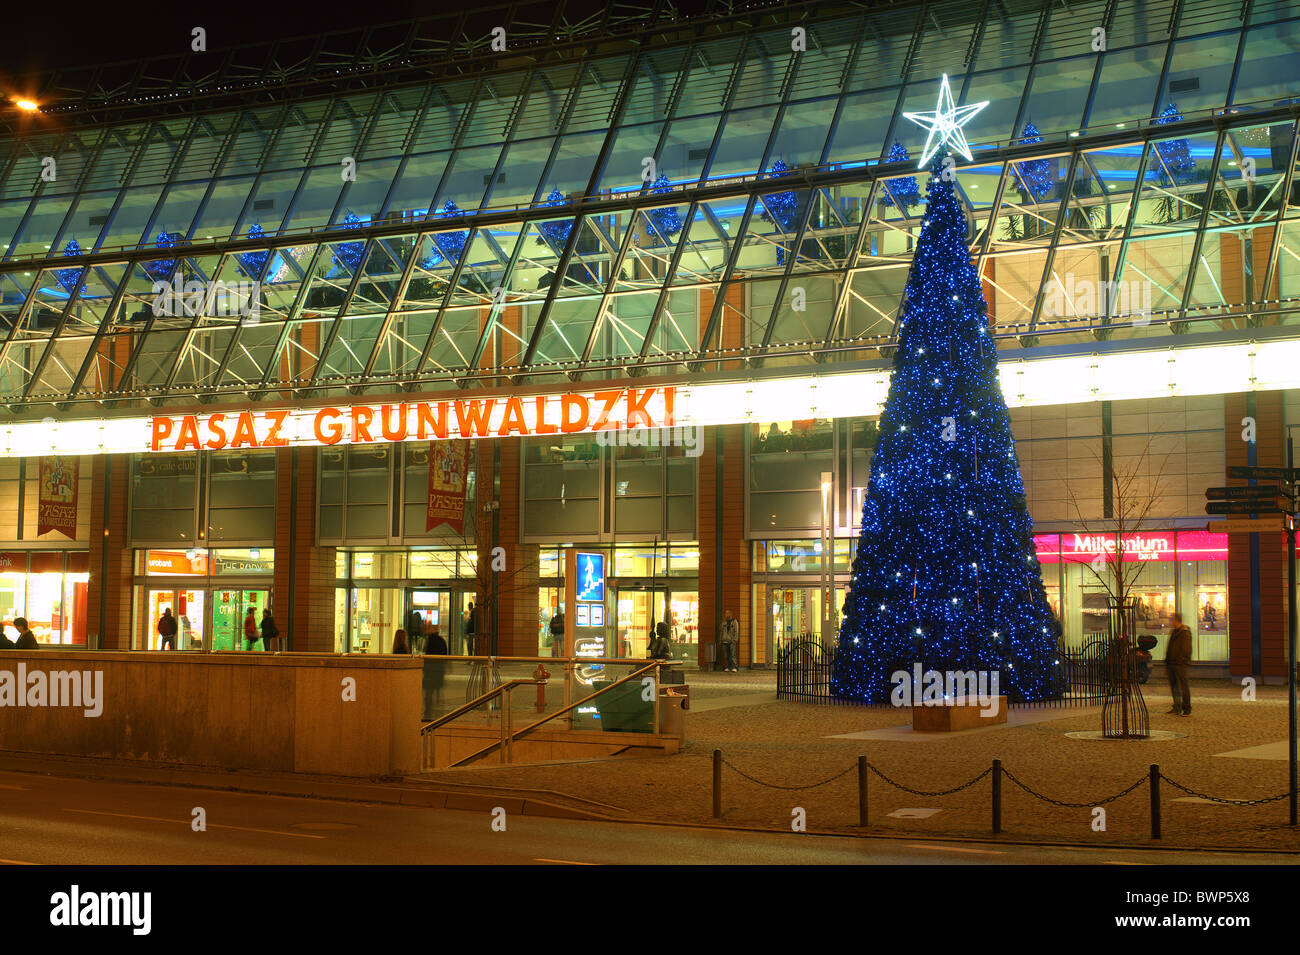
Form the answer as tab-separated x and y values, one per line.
624	213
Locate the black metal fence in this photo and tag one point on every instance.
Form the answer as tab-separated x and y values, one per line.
804	666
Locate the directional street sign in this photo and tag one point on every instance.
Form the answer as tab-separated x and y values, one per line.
1250	492
1268	525
1269	506
1263	474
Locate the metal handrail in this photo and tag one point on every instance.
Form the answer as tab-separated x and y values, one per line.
508	737
474	704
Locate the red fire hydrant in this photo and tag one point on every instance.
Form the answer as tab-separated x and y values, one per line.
541	675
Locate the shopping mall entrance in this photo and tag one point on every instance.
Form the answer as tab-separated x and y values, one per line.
448	611
641	605
793	611
206	618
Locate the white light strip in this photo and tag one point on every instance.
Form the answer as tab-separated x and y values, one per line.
1163	373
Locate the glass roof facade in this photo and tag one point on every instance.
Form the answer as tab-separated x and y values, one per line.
661	208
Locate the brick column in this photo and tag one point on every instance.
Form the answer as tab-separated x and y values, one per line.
721	495
517	583
108	594
1266	408
302	600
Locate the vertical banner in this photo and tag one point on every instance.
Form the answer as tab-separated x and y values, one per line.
57	504
448	470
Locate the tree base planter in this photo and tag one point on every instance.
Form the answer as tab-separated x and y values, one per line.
961	715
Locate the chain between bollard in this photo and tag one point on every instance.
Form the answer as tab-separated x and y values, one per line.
1227	802
1071	805
922	792
741	772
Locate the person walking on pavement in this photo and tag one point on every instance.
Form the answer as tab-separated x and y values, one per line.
730	640
1177	656
251	633
167	630
434	671
270	631
26	639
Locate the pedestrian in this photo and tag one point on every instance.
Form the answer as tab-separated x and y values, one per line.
269	630
167	630
415	631
730	640
26	639
251	633
431	678
471	629
400	646
5	642
1177	655
557	634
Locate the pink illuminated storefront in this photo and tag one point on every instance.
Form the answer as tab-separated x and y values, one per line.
1181	572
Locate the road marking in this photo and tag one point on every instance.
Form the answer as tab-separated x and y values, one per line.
566	862
16	862
1119	862
6	786
211	825
982	852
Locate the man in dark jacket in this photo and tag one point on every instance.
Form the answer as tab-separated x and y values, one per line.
5	642
1178	654
269	630
26	639
434	671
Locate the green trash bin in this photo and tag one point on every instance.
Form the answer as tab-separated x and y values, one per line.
622	710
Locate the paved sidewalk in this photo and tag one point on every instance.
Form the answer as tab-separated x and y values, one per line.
791	745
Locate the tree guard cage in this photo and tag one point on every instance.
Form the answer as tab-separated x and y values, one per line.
1124	712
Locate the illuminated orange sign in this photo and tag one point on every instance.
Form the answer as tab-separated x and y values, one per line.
499	417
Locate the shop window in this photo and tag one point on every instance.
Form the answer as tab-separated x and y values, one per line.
786	463
241	496
386	565
1203	592
164	491
433	564
49	589
367	491
561	486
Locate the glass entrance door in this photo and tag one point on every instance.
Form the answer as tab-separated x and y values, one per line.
229	608
639	609
793	613
187	607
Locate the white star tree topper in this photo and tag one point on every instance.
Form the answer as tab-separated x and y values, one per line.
945	122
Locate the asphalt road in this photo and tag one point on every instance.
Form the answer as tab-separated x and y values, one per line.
48	820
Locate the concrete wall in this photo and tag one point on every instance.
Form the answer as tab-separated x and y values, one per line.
275	712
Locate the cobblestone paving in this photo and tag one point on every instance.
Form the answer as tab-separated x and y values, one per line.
788	744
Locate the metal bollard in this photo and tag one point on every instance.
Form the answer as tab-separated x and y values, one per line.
717	784
997	796
1155	800
862	791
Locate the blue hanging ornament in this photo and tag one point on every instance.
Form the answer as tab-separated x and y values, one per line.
556	232
446	246
780	208
69	278
903	191
1035	174
1175	154
159	269
666	222
349	254
251	263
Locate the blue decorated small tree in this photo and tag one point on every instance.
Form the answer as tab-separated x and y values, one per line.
70	278
1176	166
159	269
251	263
348	255
945	573
666	222
1035	174
556	232
902	192
780	208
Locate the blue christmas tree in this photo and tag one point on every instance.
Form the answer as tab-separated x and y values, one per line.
69	278
667	222
250	263
446	245
555	233
1175	155
1035	174
945	574
903	191
780	208
349	254
159	269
